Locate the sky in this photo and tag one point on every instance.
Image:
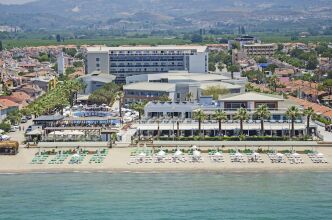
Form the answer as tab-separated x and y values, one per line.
14	1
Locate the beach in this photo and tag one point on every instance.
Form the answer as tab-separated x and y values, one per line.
118	158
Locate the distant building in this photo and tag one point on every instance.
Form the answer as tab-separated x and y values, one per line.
260	49
45	83
128	61
61	64
177	85
96	80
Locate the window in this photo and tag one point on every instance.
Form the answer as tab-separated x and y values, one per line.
97	65
97	59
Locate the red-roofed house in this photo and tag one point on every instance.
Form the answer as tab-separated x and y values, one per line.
7	106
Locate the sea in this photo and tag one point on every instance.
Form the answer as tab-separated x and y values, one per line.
66	196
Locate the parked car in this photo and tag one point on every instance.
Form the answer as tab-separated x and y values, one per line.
29	117
14	128
24	119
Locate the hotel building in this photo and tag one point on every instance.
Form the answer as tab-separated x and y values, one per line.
127	61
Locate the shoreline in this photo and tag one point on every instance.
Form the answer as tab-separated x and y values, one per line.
165	171
117	162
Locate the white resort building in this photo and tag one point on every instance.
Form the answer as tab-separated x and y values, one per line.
173	117
126	61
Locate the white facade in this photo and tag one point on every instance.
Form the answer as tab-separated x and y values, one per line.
128	61
61	64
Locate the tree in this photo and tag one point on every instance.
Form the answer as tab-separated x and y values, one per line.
309	112
5	126
1	46
215	91
232	69
196	38
58	38
200	116
189	96
262	113
164	98
14	117
293	113
273	82
327	85
212	67
139	107
220	116
120	96
105	95
241	115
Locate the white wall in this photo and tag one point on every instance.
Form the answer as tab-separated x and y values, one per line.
198	63
103	62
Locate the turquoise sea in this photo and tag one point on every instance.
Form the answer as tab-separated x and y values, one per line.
166	196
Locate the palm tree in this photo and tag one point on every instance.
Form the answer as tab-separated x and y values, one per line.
200	116
220	116
241	115
164	98
120	96
309	112
189	96
262	113
293	112
139	107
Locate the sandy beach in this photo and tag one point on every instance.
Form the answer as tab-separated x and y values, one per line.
118	158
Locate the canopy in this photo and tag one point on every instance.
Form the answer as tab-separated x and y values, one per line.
178	153
279	155
35	132
238	154
161	153
217	154
196	153
142	154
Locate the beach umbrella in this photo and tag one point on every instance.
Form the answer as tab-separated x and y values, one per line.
178	153
194	147
161	153
320	155
217	154
238	154
279	154
196	153
295	154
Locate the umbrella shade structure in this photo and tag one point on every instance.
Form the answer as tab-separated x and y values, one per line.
238	154
178	153
194	147
5	137
295	155
142	154
161	153
217	154
320	155
196	153
75	157
35	132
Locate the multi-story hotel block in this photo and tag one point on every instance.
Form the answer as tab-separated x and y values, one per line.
128	61
259	49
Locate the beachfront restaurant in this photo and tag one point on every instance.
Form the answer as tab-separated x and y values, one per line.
176	118
9	148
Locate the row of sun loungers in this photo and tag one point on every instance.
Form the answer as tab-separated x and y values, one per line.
39	159
317	158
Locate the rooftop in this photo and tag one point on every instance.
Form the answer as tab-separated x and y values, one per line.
49	118
149	86
142	48
99	76
251	96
